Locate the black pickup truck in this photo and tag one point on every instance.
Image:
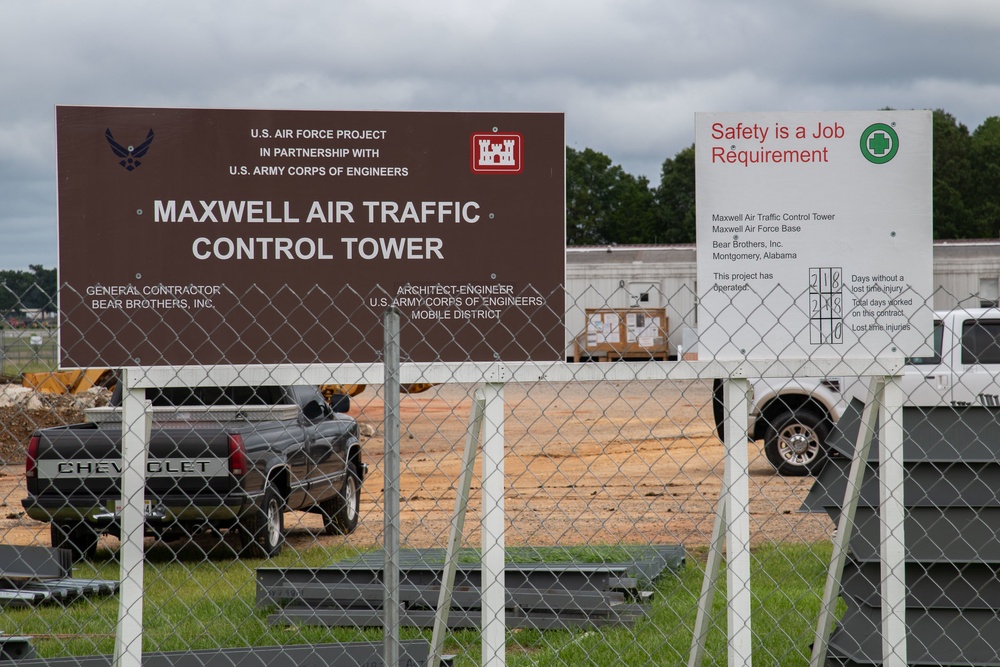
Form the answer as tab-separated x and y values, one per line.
219	458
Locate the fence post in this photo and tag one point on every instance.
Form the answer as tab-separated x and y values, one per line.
737	483
473	441
893	513
732	518
391	387
494	589
136	427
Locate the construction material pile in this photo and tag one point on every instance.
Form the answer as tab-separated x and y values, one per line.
39	575
540	595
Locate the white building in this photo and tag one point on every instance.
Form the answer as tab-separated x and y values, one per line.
966	273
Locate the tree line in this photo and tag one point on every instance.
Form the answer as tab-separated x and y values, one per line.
606	205
27	290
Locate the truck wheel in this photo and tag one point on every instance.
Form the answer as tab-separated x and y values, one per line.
262	531
79	538
795	442
341	513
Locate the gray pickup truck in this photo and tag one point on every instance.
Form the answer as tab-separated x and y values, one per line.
219	458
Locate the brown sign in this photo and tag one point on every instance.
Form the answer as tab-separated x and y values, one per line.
197	236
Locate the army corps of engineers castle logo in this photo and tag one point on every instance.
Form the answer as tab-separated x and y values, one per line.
497	153
879	143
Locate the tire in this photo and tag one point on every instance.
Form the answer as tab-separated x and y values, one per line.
78	537
262	529
795	442
342	512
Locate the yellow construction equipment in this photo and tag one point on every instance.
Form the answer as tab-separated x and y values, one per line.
329	390
73	382
68	382
355	389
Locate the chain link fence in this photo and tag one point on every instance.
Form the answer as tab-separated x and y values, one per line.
270	537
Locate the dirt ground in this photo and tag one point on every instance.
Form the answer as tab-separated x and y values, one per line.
585	463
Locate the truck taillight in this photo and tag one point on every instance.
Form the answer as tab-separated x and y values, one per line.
237	455
31	459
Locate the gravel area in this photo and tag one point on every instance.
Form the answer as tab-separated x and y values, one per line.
597	463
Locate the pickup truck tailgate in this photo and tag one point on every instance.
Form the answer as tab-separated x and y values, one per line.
84	459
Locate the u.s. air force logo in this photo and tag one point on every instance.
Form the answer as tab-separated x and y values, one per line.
879	143
129	155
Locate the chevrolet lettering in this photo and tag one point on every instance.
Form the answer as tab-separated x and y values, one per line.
205	467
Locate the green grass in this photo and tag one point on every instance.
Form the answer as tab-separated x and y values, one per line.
14	369
787	585
198	601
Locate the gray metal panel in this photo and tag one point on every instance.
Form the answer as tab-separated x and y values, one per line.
927	484
934	637
834	660
539	595
929	586
970	434
34	562
413	653
20	598
952	463
279	583
15	648
647	562
934	535
457	619
34	592
318	595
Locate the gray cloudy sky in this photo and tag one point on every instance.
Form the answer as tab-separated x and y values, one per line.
629	74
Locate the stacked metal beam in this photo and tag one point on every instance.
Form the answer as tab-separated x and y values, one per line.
539	595
38	575
15	648
952	498
369	654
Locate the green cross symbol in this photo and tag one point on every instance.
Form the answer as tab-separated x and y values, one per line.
879	143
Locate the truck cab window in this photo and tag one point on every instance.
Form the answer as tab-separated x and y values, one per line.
935	359
980	342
